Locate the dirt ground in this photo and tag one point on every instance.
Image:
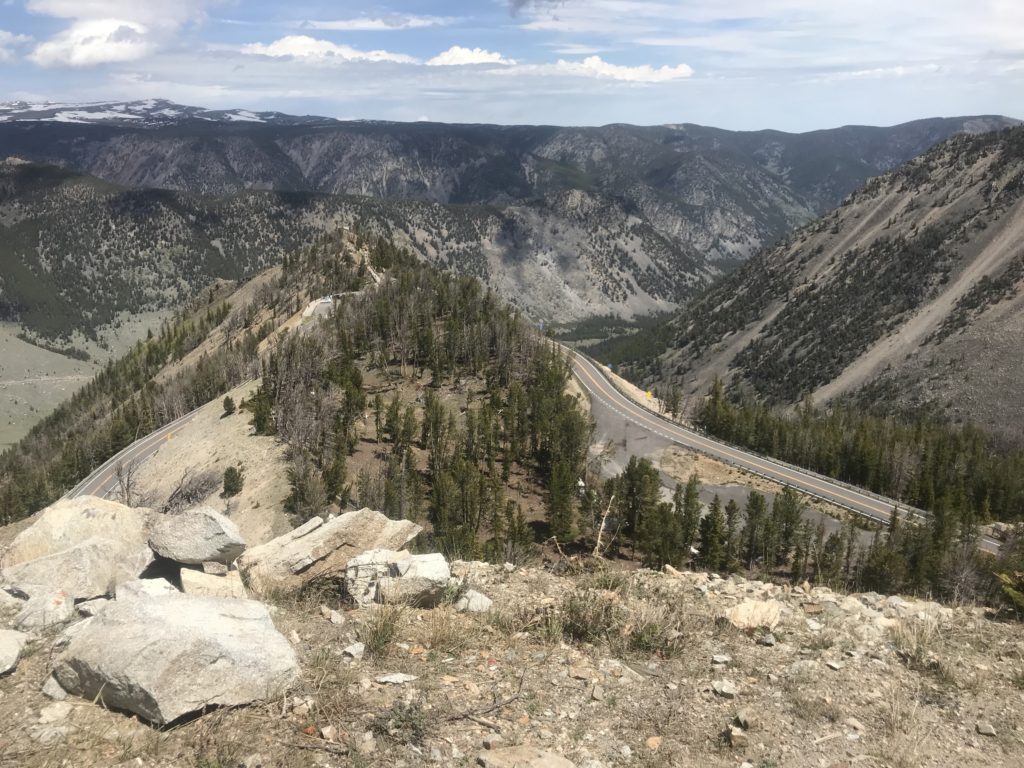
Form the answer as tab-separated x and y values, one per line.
850	681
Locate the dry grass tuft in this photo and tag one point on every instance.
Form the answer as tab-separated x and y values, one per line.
380	629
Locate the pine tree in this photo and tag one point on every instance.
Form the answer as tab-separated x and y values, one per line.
561	490
712	537
688	508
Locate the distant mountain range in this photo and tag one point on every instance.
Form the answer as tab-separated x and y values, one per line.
909	296
566	222
146	113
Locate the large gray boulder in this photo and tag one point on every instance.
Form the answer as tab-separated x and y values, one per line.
165	657
84	546
195	536
318	549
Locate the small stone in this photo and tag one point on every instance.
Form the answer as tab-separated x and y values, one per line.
329	733
854	723
654	743
985	729
724	688
493	742
521	757
54	713
815	626
11	645
293	637
336	617
747	720
597	694
52	689
834	665
93	607
396	678
767	639
473	602
721	659
738	738
356	650
255	761
213	568
367	745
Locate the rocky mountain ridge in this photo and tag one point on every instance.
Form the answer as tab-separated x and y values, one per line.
619	218
908	295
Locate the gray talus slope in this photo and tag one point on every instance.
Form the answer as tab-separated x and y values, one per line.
908	294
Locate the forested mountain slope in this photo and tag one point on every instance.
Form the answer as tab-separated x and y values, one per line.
419	393
75	251
620	219
908	295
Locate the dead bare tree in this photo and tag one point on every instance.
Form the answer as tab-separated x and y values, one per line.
129	491
191	489
598	551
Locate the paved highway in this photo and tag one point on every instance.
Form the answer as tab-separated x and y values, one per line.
103	481
605	395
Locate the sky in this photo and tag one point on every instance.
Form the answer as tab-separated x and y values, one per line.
741	64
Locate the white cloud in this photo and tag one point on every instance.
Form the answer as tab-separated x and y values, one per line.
108	31
8	42
381	24
576	49
459	56
86	43
305	47
595	66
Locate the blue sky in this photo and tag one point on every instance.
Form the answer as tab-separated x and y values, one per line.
788	64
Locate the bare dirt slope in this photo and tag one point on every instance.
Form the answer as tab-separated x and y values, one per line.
212	442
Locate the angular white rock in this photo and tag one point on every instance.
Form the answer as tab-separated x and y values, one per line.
85	546
752	614
199	583
396	678
11	643
473	602
320	548
167	656
142	588
421	580
195	536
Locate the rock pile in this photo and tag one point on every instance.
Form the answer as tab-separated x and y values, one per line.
165	624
